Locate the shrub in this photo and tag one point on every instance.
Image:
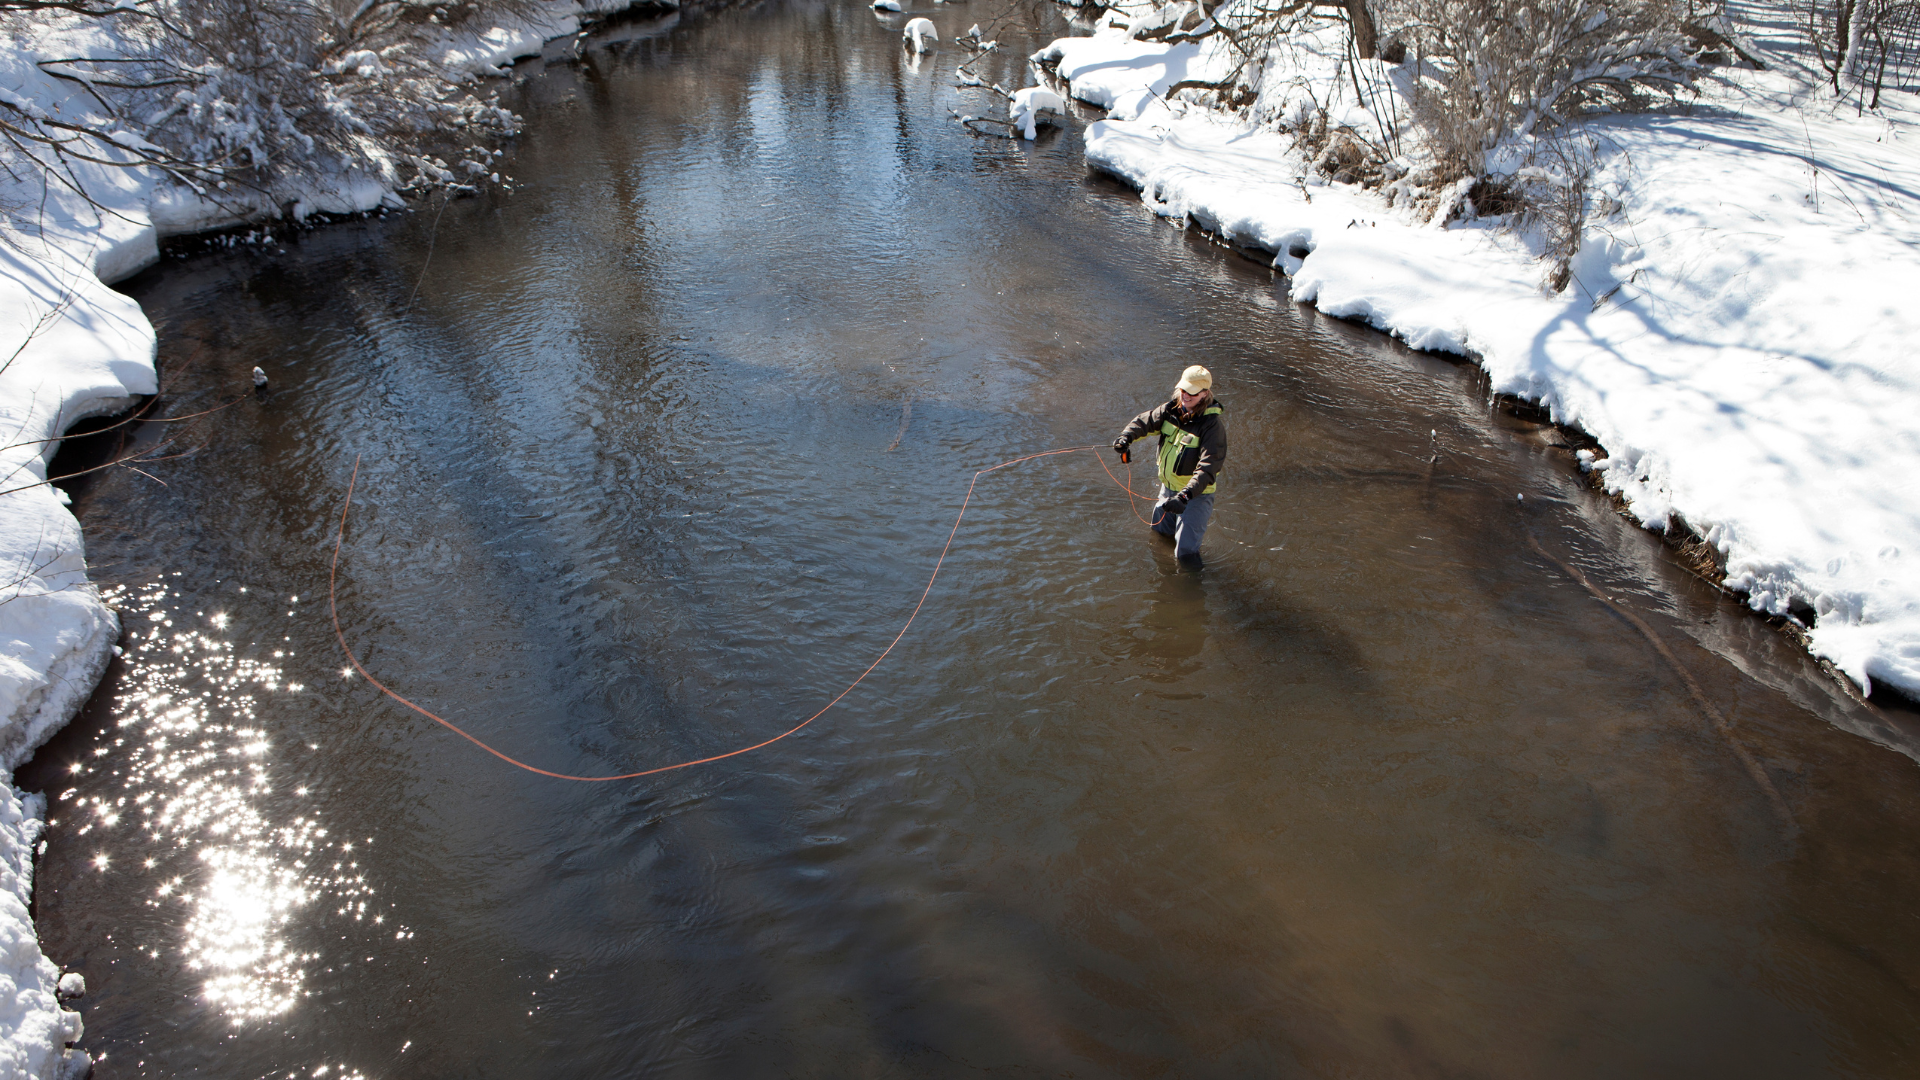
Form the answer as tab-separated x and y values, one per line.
1490	70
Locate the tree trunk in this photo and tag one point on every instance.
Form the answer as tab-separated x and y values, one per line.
1366	39
1842	33
1863	17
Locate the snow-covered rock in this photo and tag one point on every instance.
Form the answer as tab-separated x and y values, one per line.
1025	107
920	35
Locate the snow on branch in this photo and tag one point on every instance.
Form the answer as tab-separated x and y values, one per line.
1498	69
253	103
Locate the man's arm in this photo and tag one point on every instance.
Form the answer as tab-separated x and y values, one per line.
1147	423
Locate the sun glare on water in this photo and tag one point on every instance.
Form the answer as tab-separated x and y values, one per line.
197	780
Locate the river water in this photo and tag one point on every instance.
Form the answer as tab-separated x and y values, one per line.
656	455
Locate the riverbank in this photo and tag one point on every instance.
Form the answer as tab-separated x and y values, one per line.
1733	331
79	349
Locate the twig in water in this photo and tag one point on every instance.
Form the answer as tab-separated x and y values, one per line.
136	414
433	234
137	455
906	417
968	122
144	457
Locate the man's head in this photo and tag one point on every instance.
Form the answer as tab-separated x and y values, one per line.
1194	388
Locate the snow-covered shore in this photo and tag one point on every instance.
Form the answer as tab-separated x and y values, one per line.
70	348
1736	333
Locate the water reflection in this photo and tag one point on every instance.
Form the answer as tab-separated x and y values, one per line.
194	765
1169	631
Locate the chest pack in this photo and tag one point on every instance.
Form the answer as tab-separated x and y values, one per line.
1175	442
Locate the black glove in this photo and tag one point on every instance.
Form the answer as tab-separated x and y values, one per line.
1120	445
1175	505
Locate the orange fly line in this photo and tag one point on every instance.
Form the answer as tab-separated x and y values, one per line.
333	607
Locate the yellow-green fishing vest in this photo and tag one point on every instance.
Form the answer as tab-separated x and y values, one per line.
1174	440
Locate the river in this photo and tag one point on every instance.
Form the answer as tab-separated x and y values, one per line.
656	453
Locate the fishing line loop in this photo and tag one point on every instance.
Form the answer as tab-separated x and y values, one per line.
333	608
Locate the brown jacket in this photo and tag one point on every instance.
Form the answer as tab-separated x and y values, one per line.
1205	461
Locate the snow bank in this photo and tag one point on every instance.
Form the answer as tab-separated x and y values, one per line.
37	1029
70	347
1737	332
1101	69
485	53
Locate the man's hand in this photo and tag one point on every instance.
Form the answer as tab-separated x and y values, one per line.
1175	505
1120	445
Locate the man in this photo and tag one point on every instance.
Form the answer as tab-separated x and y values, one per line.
1193	448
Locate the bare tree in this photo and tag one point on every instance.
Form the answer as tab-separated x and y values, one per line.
1865	46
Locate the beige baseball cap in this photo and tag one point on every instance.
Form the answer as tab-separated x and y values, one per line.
1195	379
